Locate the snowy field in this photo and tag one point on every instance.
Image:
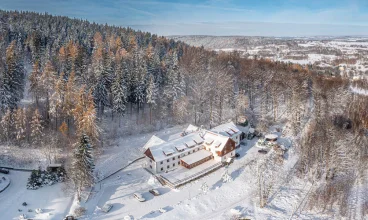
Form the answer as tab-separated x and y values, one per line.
220	201
189	202
51	199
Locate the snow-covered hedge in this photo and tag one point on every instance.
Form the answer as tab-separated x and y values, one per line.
41	178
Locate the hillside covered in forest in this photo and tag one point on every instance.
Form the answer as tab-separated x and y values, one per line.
69	86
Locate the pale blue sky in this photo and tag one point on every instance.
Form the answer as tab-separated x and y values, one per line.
215	17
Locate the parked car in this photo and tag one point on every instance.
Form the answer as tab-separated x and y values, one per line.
38	211
237	155
70	217
262	151
3	170
23	216
106	208
154	192
139	197
162	210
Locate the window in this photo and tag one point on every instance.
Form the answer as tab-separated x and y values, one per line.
151	161
179	157
188	152
168	160
161	162
173	158
168	166
232	154
162	168
179	163
151	166
173	164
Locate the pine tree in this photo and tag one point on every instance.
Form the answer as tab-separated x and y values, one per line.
226	177
151	95
83	165
7	123
204	188
36	128
101	91
35	84
84	114
13	78
63	128
47	82
20	124
119	93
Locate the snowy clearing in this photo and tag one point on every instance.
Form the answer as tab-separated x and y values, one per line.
51	199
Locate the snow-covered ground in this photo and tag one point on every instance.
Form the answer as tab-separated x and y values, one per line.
118	191
125	149
4	181
187	202
51	199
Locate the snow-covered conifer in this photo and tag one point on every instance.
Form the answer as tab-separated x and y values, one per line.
119	94
226	177
151	96
204	188
7	123
83	165
20	124
36	127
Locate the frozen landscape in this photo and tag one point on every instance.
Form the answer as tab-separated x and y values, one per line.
183	110
221	201
337	55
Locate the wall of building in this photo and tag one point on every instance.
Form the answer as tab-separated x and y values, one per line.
236	138
190	166
169	162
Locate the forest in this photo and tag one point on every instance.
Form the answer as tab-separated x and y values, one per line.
71	80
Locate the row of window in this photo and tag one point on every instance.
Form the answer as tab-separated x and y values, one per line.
174	158
168	166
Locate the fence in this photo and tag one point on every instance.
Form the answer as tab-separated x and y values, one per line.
130	163
192	177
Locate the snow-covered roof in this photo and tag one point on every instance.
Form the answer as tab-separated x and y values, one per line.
180	148
197	156
198	140
191	128
186	143
209	140
190	143
153	141
174	145
228	129
168	151
219	140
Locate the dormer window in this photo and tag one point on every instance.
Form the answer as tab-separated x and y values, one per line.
217	144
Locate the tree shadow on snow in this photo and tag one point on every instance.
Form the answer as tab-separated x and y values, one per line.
236	173
116	206
168	208
153	214
163	190
218	184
